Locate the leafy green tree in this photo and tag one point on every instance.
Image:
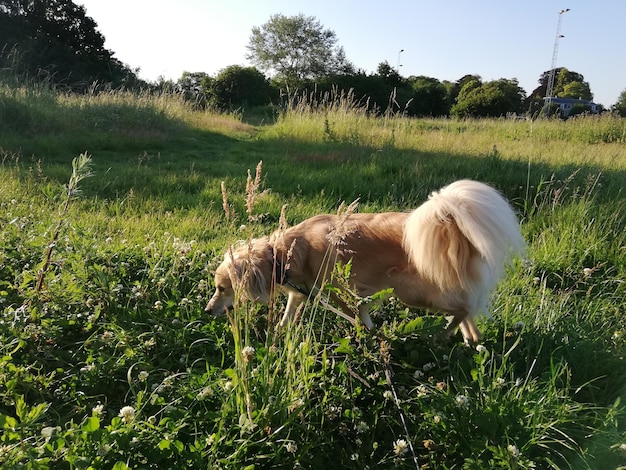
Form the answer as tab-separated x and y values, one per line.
56	40
620	106
430	97
563	79
295	49
576	90
237	86
195	86
495	98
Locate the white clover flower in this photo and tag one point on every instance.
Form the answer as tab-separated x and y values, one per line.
362	427
247	353
481	348
499	382
422	391
428	366
228	386
291	447
143	376
354	456
587	272
437	419
158	305
387	395
98	410
622	447
400	447
202	285
513	450
418	374
127	414
462	401
184	302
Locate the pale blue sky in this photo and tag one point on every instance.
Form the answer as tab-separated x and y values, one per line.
442	39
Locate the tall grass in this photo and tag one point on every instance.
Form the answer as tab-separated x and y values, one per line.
122	368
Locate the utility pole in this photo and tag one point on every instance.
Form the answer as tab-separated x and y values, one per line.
555	52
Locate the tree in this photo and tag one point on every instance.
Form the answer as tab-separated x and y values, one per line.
195	86
564	78
430	97
620	106
237	86
493	99
56	40
296	48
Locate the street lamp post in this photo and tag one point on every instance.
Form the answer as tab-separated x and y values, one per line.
398	63
555	52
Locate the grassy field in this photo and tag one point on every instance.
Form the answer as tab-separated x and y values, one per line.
108	360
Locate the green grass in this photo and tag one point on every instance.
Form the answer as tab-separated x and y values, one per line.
118	320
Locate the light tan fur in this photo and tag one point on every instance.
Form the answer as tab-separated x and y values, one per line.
446	255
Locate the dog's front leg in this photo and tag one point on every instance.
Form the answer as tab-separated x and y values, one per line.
294	299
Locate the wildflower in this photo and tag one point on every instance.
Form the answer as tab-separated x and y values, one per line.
354	456
158	305
88	368
98	410
437	419
418	374
202	285
127	414
622	447
161	282
362	427
422	391
536	280
334	412
428	366
228	386
441	386
291	447
498	383
481	348
587	272
143	376
205	392
184	302
429	444
462	401
387	395
513	450
247	354
400	447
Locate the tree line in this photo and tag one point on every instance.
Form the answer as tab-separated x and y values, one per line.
55	40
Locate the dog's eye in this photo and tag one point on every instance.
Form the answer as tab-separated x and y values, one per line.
220	288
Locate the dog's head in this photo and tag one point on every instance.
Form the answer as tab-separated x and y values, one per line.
224	296
246	271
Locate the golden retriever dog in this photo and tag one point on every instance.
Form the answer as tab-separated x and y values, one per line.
447	255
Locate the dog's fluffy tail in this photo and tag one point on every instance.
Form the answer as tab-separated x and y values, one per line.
463	237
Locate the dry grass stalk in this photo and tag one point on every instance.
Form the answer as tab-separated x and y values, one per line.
252	190
225	204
